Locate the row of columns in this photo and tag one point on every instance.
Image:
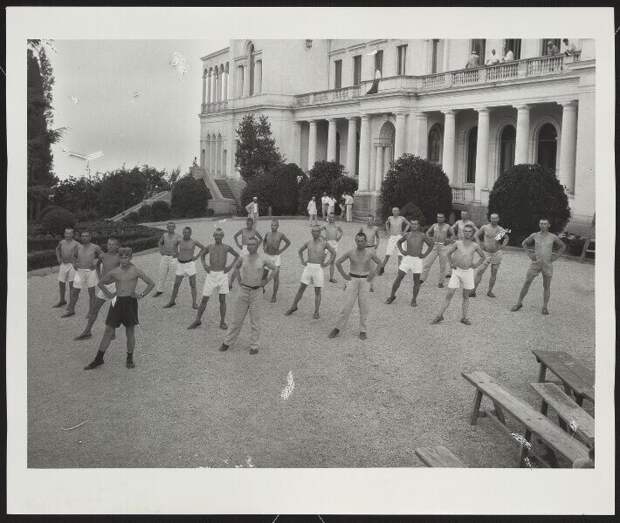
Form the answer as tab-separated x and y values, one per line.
214	85
214	153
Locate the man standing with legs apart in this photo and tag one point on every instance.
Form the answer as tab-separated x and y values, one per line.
348	203
186	266
168	249
107	261
441	233
412	260
324	205
248	232
271	246
395	226
312	211
332	234
542	261
252	209
84	263
124	306
313	269
494	239
360	260
217	278
372	243
65	254
251	280
461	258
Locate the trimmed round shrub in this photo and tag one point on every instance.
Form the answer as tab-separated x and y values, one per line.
189	198
277	189
160	210
48	209
523	195
423	183
326	177
57	220
412	212
144	213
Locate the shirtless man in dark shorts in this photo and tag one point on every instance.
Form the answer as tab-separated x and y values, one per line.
271	246
107	261
186	265
217	279
313	269
494	238
248	232
360	264
412	259
460	255
124	306
542	261
65	254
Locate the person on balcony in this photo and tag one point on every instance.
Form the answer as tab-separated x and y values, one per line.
474	60
509	56
569	47
493	59
375	85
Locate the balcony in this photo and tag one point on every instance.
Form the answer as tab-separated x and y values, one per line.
462	194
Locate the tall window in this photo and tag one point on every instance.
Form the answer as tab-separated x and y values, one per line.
507	148
547	44
337	74
434	56
547	146
402	59
357	69
434	144
472	145
379	62
479	46
240	80
251	79
513	45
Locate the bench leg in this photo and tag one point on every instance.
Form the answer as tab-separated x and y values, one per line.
579	400
542	373
476	411
524	452
543	408
499	413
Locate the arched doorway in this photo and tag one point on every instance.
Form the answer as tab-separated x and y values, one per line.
547	147
507	148
472	145
384	153
435	144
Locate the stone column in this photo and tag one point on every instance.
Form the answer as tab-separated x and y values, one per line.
203	108
568	145
422	132
412	133
209	89
226	73
378	168
523	134
312	144
482	152
331	140
351	145
246	81
449	131
364	175
399	138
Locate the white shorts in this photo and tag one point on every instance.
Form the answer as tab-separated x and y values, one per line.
411	263
273	258
391	248
313	275
188	268
66	272
99	293
85	278
462	278
216	280
244	250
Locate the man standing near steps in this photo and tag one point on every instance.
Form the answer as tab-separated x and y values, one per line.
65	254
107	261
124	306
217	278
252	209
313	269
324	205
332	233
412	261
440	233
360	260
372	243
168	249
311	208
271	246
251	280
460	255
248	232
84	264
542	261
186	266
494	238
395	226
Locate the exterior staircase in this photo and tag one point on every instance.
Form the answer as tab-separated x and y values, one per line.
164	195
224	188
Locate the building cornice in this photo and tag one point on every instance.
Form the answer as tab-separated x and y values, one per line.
215	53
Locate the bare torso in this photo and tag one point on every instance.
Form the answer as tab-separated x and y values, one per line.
67	250
109	261
169	244
126	280
246	234
87	256
543	246
186	250
463	256
316	250
489	243
331	231
251	272
360	261
394	226
217	256
440	232
371	235
415	242
272	242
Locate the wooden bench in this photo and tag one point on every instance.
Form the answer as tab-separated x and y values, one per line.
577	379
567	410
439	457
535	422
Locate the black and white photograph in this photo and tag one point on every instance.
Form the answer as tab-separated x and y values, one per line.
352	259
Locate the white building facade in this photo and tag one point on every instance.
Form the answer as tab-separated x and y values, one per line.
475	122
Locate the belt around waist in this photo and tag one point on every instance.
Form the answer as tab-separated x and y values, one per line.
185	261
358	275
250	287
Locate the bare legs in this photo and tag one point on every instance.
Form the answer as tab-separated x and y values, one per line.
108	336
91	319
529	278
300	293
203	306
62	286
399	278
75	294
276	282
175	291
492	278
446	303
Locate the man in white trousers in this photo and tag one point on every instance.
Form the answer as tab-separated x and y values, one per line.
168	250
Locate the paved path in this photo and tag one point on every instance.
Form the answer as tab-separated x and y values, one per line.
354	404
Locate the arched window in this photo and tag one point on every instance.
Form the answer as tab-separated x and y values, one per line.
434	144
472	145
251	79
507	148
547	146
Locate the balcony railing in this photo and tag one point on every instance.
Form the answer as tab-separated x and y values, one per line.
462	194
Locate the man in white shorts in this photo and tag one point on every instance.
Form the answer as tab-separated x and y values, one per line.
65	254
332	233
217	276
186	266
271	246
168	250
395	226
460	255
313	269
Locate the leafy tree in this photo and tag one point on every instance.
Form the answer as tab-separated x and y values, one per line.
160	211
325	177
189	198
412	212
119	190
523	195
277	189
257	152
79	195
412	179
56	220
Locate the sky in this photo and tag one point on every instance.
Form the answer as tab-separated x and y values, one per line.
124	98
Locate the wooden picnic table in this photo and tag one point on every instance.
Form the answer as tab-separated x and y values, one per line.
576	378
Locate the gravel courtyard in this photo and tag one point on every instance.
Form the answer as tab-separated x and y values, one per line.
354	403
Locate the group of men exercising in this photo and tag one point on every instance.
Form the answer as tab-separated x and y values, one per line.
110	275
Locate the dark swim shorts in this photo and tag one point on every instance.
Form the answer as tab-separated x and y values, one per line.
124	311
